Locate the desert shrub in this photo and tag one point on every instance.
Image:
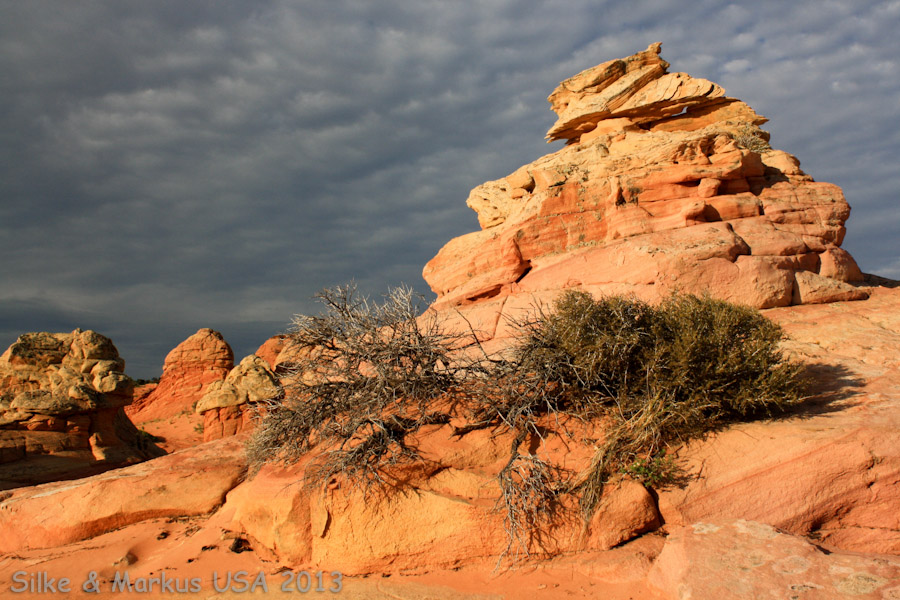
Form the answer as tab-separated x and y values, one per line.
530	490
653	375
639	378
656	471
752	138
365	377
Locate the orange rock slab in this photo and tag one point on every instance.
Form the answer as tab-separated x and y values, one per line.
746	559
190	482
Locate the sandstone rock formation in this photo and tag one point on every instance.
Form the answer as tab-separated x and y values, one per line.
61	399
446	517
281	353
665	184
831	471
672	186
166	409
762	500
271	349
228	405
190	482
746	559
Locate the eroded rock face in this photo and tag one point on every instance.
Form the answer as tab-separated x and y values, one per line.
665	184
747	559
446	516
228	405
190	482
271	348
188	371
61	399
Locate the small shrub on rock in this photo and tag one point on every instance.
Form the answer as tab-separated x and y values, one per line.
653	375
365	376
752	138
640	378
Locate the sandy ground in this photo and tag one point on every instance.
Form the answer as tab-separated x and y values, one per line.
190	551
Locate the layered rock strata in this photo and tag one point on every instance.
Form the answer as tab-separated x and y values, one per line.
229	405
664	184
188	371
61	399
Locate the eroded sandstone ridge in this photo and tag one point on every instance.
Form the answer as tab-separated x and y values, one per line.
61	399
664	184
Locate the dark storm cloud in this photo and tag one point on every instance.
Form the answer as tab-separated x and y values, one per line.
167	166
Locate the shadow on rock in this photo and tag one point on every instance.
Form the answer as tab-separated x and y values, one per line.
831	389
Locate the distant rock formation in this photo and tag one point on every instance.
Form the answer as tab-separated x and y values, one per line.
188	371
271	349
228	405
665	184
61	399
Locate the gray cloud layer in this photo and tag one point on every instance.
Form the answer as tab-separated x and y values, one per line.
166	166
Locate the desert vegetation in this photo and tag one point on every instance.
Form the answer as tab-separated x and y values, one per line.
639	378
366	377
752	138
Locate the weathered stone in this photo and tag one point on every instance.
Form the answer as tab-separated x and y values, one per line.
190	482
189	369
626	511
636	87
228	405
746	559
837	263
445	515
810	288
271	348
649	153
61	399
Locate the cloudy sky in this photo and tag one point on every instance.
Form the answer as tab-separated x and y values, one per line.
167	165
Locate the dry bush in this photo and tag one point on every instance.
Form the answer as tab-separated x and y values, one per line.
531	491
366	376
370	375
655	376
752	138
